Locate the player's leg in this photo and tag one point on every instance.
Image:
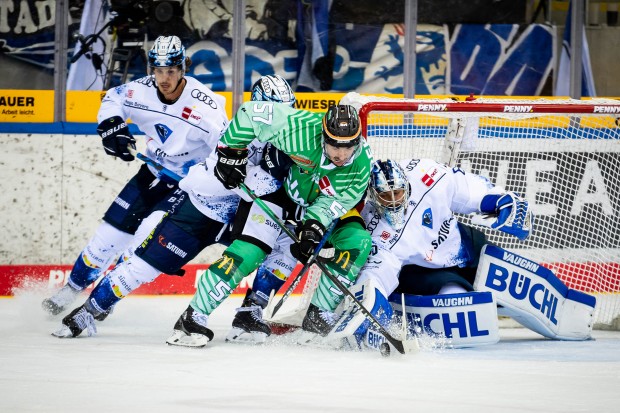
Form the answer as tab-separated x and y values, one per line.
352	245
121	221
248	325
255	235
176	240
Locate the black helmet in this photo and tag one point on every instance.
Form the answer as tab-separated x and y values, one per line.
341	126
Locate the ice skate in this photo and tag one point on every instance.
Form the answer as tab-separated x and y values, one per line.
191	330
248	325
77	321
316	325
102	316
57	303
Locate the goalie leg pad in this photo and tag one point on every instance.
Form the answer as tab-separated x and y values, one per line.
534	296
466	319
353	323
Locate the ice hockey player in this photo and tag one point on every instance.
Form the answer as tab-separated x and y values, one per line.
200	220
419	246
182	120
452	282
329	176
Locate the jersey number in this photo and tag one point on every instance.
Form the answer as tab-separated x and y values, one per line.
263	113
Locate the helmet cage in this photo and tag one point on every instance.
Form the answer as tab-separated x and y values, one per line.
167	51
387	177
273	88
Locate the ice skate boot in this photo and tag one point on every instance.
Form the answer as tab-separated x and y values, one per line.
57	303
191	330
77	321
316	324
103	315
248	325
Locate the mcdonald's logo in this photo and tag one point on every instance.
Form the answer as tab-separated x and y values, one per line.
226	260
346	256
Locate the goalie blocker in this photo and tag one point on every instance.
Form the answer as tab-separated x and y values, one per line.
533	296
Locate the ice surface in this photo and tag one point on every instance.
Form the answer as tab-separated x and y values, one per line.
127	367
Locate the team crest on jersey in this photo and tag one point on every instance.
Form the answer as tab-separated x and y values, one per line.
429	178
191	115
385	235
129	94
326	186
163	132
427	218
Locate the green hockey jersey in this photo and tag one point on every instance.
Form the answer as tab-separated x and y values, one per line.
325	190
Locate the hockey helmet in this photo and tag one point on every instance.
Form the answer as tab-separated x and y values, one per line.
341	127
386	178
167	51
273	88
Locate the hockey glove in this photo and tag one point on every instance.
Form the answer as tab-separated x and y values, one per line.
116	138
231	166
309	234
276	162
507	212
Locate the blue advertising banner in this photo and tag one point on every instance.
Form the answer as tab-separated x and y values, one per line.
493	59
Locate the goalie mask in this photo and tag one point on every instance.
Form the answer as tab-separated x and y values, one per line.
389	192
273	88
167	51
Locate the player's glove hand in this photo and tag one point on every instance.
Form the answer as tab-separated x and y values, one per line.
507	212
116	138
231	166
309	234
276	162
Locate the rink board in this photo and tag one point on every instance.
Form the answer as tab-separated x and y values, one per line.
14	277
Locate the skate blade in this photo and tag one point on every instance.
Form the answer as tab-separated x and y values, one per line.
63	332
238	335
179	338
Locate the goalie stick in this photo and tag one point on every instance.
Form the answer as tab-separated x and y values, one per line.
397	344
305	268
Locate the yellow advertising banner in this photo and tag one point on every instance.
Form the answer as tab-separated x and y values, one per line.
26	106
82	106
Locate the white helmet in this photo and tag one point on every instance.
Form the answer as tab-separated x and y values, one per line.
167	51
273	88
385	178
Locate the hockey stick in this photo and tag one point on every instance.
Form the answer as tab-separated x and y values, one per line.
159	167
305	268
397	344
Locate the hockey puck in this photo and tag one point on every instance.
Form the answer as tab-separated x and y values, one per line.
384	348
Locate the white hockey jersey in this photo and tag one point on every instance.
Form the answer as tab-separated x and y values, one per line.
178	135
430	237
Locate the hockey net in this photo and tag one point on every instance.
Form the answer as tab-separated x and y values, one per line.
563	155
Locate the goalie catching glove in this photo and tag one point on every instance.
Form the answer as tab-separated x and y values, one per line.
507	212
116	138
231	166
310	234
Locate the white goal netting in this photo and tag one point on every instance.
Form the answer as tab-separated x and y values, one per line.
563	155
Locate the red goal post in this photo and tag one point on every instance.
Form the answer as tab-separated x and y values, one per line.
563	155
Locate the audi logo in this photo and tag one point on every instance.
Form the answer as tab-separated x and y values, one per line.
203	97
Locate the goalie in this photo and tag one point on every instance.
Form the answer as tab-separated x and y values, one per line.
422	251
